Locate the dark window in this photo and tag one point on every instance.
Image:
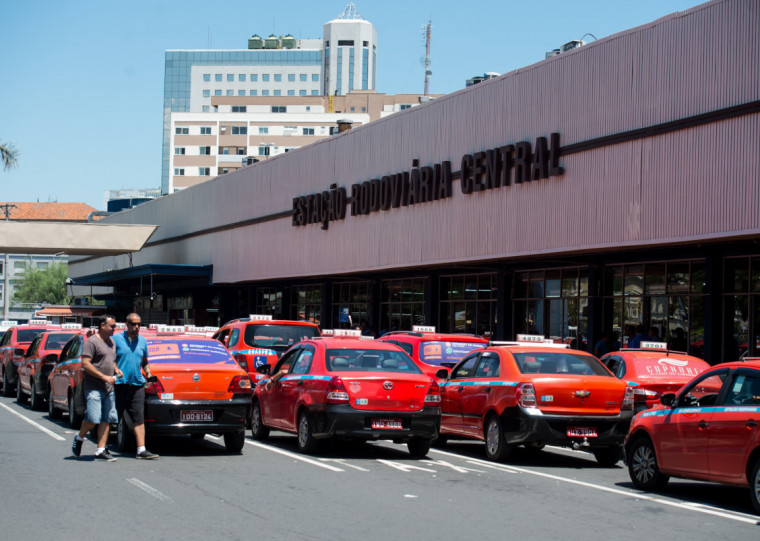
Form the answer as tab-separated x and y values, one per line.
345	43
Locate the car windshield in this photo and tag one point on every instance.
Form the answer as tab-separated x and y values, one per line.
27	335
58	340
187	351
539	362
369	360
277	337
668	366
437	352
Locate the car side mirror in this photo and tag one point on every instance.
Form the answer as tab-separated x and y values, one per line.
264	369
51	358
442	373
668	399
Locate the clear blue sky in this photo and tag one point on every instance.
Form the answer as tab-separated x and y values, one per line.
81	82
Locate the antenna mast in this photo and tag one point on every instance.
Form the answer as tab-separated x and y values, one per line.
428	73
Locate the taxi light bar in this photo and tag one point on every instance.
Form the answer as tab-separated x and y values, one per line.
336	391
240	384
526	395
423	328
535	338
434	393
8	323
628	399
71	326
347	332
38	322
260	317
662	346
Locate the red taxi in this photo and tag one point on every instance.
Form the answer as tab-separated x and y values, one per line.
38	362
534	393
197	389
65	388
653	370
258	339
13	346
432	350
704	436
348	388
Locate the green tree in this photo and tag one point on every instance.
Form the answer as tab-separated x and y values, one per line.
8	156
39	286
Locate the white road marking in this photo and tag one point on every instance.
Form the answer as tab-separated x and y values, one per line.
34	424
410	496
715	511
293	455
342	462
406	468
500	467
150	490
460	469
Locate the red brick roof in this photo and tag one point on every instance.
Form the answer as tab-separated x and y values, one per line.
56	212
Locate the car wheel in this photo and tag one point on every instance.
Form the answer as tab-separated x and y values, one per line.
754	485
53	412
234	441
419	447
496	449
258	430
75	420
20	395
125	438
6	386
608	456
306	441
35	400
642	466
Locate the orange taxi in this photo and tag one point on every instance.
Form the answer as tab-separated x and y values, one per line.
433	350
653	370
533	392
13	346
65	382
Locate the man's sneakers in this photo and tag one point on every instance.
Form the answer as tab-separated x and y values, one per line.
105	456
76	447
146	455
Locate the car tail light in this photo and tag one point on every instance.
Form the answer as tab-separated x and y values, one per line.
154	387
434	393
526	395
336	391
628	399
242	361
240	384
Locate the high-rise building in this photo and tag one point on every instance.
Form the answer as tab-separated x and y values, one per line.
342	61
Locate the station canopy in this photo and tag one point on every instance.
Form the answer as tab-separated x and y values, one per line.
60	238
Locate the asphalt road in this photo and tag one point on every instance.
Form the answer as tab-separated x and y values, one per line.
369	492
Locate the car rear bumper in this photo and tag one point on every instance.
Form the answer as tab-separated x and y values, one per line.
343	421
164	416
552	429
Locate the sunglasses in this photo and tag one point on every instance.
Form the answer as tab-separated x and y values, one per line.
133	324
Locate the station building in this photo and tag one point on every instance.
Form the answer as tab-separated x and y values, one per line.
613	185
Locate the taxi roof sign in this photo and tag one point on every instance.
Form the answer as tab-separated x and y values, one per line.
534	338
423	328
260	317
654	345
347	332
71	326
38	322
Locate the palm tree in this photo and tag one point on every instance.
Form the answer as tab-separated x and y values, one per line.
8	156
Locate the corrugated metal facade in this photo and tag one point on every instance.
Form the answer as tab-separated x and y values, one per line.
700	182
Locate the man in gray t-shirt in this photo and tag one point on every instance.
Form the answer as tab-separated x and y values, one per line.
100	373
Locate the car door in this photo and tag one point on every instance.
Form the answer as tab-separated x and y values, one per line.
683	434
452	392
59	377
294	385
272	409
475	397
25	368
734	427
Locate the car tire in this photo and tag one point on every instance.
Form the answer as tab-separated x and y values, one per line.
36	402
75	420
496	448
608	456
642	466
306	441
6	389
53	412
125	438
419	447
258	430
234	441
754	485
440	441
20	394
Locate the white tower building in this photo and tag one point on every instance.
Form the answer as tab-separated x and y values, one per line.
350	53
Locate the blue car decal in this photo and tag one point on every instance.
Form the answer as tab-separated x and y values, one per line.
480	383
706	409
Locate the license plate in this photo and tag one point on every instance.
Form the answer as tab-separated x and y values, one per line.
387	424
196	416
581	432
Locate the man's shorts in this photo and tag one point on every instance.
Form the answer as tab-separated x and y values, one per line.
101	407
131	398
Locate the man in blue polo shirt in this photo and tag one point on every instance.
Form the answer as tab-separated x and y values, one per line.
132	359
